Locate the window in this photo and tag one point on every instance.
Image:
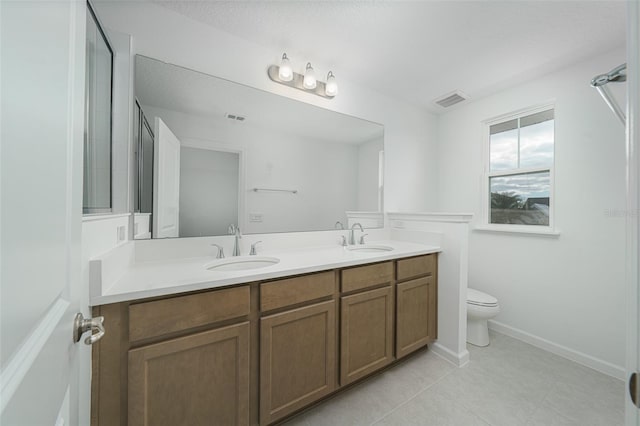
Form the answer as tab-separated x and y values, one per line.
519	178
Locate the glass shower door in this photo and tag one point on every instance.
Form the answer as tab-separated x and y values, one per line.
98	132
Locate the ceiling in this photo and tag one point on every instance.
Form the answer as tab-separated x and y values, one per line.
418	51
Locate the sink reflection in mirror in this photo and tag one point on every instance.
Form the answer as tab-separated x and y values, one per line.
242	263
233	154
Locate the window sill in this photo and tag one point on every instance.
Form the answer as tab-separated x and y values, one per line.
519	231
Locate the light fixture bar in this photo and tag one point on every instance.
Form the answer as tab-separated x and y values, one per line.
297	82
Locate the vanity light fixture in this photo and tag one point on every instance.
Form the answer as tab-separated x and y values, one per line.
284	74
309	80
331	88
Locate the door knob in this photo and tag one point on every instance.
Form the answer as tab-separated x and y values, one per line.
633	389
81	325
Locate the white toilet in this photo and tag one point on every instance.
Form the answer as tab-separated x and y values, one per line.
480	308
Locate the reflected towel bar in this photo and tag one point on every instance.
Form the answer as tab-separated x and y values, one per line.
293	191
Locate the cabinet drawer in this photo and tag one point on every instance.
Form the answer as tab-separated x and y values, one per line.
292	291
151	319
366	276
416	267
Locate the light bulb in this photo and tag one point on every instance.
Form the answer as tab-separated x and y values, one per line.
285	72
309	81
331	88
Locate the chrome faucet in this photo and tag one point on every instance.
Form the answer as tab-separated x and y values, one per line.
236	243
253	250
235	230
352	238
220	254
339	225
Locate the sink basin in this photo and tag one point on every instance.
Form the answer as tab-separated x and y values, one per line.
369	248
242	263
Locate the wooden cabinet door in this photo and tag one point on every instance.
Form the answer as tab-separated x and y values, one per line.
297	359
416	315
200	379
366	337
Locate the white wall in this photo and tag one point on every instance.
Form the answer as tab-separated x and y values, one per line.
567	290
324	174
410	150
368	162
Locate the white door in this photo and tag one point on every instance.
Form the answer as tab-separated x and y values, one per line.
633	208
42	123
166	181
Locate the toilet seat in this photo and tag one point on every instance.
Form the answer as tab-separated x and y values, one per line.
478	298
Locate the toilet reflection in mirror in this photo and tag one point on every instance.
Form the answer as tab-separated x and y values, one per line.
204	145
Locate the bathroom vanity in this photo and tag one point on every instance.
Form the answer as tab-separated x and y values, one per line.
199	340
254	348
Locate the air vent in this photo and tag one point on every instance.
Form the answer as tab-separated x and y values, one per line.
235	117
451	99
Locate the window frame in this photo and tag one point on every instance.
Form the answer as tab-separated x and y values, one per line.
487	174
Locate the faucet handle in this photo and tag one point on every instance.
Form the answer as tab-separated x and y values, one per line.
362	238
231	229
253	251
344	241
220	254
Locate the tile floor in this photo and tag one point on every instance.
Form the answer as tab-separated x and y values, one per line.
508	383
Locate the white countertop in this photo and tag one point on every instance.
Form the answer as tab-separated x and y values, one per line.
158	278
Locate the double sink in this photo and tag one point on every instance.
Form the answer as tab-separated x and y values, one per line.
244	263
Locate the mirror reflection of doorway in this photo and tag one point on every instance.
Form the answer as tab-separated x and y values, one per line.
143	178
146	162
209	182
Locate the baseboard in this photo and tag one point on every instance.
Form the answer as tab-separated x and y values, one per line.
457	359
563	351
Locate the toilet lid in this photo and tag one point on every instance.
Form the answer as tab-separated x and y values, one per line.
475	297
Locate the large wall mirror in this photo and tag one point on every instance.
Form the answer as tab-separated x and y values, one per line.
211	153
